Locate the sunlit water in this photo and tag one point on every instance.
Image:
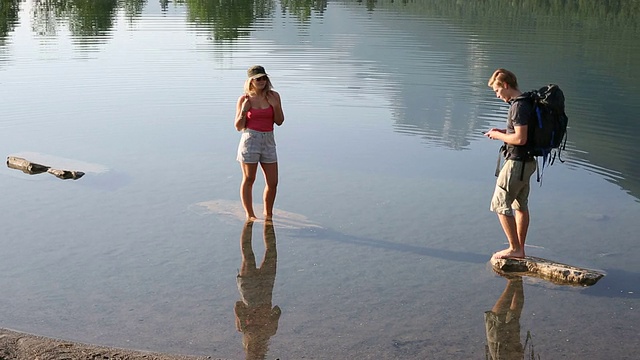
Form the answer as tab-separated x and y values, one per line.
383	230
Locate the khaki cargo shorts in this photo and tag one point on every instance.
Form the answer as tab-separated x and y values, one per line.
512	187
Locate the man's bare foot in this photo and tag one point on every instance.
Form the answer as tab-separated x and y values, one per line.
508	254
251	218
268	217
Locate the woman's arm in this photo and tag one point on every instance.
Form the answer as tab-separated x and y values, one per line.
274	100
242	107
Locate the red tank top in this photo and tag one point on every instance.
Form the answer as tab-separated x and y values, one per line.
260	119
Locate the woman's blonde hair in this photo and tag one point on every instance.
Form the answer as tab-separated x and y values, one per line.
251	90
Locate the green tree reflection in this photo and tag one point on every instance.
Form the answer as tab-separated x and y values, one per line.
607	11
9	10
371	4
303	9
91	18
46	15
133	8
164	5
231	19
86	18
228	19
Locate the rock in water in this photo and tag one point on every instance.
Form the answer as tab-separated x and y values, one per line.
557	273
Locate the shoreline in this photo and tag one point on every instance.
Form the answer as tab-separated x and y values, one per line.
15	345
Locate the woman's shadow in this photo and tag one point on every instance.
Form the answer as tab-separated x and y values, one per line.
256	319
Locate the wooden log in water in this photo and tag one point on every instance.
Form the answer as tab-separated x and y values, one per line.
25	166
66	174
557	273
31	168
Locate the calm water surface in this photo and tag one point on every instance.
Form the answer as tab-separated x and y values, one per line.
384	231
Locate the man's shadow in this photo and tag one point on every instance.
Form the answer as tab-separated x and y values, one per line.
256	319
502	323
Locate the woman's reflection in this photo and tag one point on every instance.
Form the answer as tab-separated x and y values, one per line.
255	318
502	323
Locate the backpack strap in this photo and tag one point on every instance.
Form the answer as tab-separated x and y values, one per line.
501	152
562	147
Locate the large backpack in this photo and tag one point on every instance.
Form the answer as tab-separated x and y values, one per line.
547	136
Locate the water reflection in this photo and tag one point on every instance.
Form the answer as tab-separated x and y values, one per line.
502	323
438	60
341	42
256	319
303	9
9	10
232	19
84	18
228	19
589	47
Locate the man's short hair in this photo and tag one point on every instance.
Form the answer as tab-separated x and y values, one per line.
503	76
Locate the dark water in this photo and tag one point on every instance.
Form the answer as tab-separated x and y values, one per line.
383	232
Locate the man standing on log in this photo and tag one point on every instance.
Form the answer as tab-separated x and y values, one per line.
510	198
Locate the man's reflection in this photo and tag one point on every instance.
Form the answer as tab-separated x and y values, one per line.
502	323
255	318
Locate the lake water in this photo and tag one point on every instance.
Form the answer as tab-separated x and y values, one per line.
383	230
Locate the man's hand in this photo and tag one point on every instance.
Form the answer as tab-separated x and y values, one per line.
494	133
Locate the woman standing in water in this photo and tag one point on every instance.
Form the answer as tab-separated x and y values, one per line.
256	112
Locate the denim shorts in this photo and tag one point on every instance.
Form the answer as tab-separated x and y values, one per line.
257	147
512	187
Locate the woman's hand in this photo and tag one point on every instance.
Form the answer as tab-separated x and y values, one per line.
246	104
243	105
273	98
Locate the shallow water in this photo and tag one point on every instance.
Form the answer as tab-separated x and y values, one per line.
384	231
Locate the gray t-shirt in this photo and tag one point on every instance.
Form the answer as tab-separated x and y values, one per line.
520	113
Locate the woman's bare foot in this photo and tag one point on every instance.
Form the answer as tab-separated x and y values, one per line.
251	218
268	217
508	254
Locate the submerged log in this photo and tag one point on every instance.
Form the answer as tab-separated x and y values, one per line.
557	273
25	166
66	174
31	168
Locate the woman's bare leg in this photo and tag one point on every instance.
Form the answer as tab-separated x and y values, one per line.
246	188
271	185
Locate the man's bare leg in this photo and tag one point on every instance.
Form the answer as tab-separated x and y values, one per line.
522	226
510	228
